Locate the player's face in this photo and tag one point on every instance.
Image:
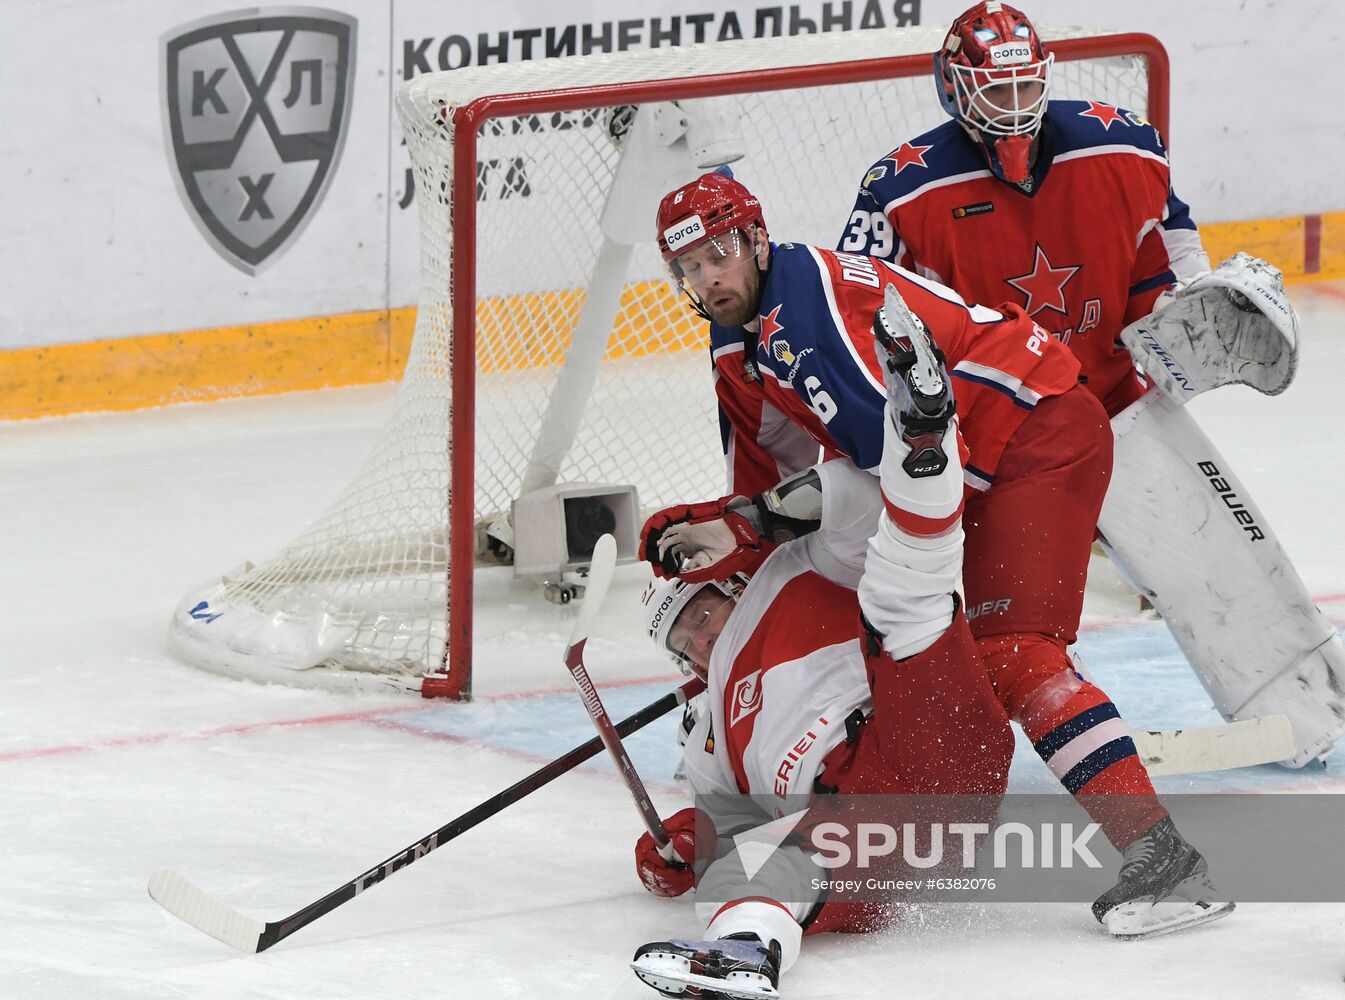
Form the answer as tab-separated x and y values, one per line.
722	274
1008	105
697	628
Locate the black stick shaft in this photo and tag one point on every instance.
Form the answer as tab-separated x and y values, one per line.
280	929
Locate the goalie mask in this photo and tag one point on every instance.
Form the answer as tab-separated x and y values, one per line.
994	77
709	233
685	618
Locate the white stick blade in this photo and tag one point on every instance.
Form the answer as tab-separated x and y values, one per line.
204	912
1216	748
595	592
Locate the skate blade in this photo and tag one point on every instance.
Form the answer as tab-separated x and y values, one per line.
671	975
925	374
1133	921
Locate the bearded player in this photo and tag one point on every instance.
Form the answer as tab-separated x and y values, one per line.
792	337
1067	208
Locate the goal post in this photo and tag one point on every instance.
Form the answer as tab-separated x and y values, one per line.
514	165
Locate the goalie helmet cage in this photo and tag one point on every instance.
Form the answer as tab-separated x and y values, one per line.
531	257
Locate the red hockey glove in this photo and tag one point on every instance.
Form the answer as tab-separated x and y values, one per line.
702	541
663	877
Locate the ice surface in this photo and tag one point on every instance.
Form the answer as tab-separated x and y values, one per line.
116	761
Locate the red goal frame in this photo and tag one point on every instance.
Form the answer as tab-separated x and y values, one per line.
454	676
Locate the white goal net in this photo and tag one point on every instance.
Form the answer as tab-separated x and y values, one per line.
533	227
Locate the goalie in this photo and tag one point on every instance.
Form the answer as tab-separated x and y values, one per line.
1067	207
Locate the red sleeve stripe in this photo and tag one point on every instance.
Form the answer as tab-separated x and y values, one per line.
921	527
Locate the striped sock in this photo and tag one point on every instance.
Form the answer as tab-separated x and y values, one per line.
1076	730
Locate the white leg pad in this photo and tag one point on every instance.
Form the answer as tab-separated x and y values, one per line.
1186	530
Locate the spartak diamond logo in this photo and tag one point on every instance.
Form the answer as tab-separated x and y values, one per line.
255	109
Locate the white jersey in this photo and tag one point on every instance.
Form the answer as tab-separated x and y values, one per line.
787	670
785	674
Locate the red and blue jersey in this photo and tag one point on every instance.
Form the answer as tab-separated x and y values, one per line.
1084	245
816	371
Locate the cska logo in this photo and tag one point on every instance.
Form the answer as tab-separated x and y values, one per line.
255	110
1105	113
907	155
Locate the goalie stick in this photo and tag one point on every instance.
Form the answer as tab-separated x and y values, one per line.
1215	748
176	894
599	579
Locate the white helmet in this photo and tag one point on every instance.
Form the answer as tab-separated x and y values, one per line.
664	600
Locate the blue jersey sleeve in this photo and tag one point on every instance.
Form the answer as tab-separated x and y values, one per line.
818	344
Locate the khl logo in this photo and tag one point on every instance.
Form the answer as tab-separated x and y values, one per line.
255	109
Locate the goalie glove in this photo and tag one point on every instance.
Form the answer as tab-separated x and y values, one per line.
1234	324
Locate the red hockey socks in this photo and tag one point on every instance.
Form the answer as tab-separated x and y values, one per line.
1075	729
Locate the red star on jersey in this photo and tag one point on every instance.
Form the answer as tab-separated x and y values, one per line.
770	326
908	156
1044	285
1104	113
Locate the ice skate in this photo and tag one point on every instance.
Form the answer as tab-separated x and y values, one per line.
731	967
918	387
1165	886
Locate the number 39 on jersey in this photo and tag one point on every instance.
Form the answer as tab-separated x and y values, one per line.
869	233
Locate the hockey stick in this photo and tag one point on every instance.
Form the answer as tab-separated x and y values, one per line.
192	905
1223	747
1216	748
599	579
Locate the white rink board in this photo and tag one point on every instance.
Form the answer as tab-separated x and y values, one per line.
97	243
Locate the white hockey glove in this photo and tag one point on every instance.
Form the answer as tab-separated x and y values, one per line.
1234	324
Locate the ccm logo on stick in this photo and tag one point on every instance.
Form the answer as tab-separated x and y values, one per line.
684	232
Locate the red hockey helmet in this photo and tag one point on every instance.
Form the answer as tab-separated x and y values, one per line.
707	207
993	75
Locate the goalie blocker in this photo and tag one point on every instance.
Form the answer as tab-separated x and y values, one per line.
1187	532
